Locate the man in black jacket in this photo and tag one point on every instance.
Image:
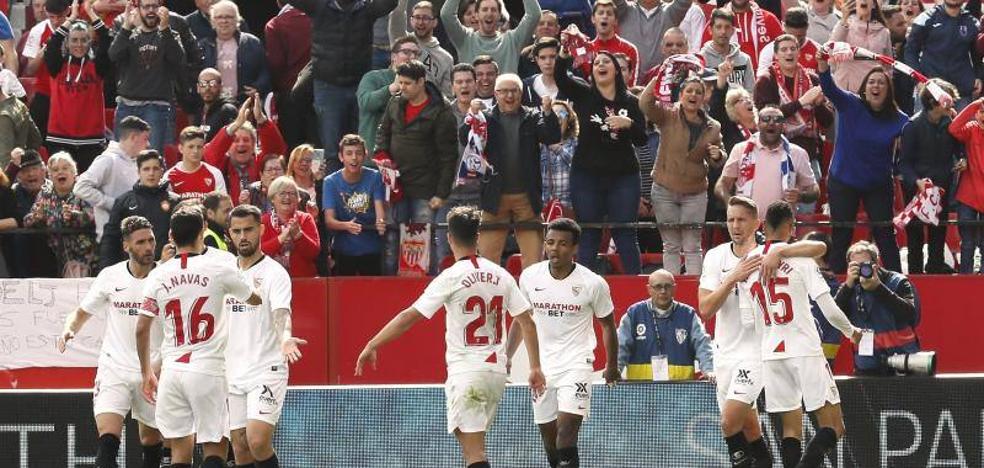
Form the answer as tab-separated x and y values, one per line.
513	192
417	130
150	61
149	198
341	52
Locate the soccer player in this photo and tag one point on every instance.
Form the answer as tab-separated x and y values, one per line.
474	291
794	369
187	293
261	341
737	354
565	297
117	294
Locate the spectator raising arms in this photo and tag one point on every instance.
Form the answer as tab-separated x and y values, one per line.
77	123
56	207
864	26
861	167
691	142
605	171
503	47
233	150
149	59
290	235
643	24
423	20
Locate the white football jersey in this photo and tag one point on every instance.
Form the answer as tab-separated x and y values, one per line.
473	292
117	295
783	307
564	311
221	255
187	293
254	342
733	340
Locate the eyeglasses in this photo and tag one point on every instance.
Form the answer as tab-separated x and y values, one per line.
771	119
208	83
287	194
422	18
150	7
410	52
662	286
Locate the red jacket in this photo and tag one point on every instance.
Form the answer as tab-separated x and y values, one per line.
217	154
306	247
615	45
970	132
288	46
76	86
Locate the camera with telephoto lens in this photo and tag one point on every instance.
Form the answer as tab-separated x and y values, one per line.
921	363
866	270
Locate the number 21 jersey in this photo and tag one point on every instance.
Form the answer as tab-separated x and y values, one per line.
187	293
473	292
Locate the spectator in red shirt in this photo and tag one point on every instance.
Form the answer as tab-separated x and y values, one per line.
57	11
77	124
288	49
605	20
290	235
192	178
233	150
754	28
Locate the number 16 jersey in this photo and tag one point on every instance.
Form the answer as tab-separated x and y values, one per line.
187	292
473	292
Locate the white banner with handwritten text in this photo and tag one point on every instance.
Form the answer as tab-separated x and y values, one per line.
32	316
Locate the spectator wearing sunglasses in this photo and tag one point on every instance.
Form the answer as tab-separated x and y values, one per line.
767	167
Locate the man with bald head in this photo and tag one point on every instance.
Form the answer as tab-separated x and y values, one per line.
216	112
659	338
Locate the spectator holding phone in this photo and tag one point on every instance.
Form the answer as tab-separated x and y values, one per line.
881	302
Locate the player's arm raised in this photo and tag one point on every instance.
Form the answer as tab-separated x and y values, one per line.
73	323
289	344
611	348
525	320
710	302
393	330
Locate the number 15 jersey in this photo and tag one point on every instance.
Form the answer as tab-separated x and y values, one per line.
782	306
187	292
473	292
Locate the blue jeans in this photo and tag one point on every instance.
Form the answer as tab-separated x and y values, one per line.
337	112
614	199
408	210
159	116
380	58
441	246
971	238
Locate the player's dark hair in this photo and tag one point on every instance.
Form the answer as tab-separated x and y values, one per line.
820	237
132	224
463	223
186	226
247	211
212	200
778	213
566	225
149	155
190	204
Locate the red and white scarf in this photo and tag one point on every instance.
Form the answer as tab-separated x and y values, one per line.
390	174
803	122
474	160
279	226
746	167
925	206
672	72
758	26
842	51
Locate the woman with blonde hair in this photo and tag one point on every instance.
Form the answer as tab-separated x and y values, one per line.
300	168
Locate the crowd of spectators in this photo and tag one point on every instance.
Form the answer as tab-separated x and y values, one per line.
342	120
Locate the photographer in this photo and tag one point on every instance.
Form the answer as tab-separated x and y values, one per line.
883	303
